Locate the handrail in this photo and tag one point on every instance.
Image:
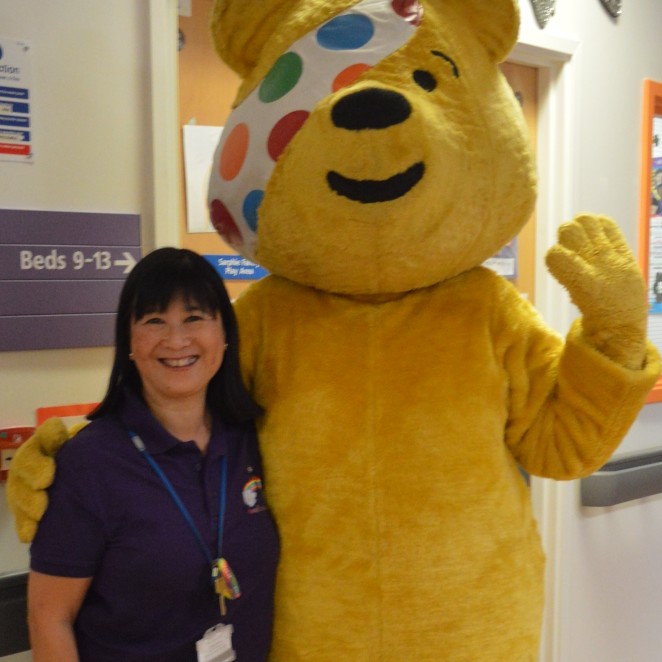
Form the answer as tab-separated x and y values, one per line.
625	478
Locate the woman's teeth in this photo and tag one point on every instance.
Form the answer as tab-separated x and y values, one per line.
179	363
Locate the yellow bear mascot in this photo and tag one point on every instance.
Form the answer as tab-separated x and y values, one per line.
374	160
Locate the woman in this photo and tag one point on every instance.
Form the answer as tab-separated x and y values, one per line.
157	529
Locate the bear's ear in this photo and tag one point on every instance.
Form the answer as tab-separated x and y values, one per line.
240	29
496	22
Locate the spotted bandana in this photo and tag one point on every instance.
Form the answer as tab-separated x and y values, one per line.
257	132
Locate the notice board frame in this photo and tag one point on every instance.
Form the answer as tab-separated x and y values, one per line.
652	108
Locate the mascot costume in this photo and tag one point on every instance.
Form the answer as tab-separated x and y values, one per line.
375	158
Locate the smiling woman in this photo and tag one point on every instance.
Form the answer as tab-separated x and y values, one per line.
164	277
153	484
177	353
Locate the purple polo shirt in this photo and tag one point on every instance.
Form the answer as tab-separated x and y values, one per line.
110	517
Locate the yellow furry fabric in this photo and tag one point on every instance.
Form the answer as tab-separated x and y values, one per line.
594	263
32	471
391	444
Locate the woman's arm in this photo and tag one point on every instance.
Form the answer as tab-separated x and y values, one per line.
53	603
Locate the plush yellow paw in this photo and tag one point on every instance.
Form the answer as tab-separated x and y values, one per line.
32	471
594	263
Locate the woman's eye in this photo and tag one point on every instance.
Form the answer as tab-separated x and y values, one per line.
153	320
199	317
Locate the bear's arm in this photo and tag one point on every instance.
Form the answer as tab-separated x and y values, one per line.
569	405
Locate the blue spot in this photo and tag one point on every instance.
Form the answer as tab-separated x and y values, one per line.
252	203
345	33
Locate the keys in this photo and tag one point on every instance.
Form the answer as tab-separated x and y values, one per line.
221	604
225	583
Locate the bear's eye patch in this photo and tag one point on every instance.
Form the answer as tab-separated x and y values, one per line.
443	56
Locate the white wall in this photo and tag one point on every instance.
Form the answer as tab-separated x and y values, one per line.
91	130
607	559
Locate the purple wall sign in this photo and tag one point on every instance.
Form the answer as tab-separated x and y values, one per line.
60	276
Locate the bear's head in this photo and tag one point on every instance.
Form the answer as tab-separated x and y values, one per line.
374	146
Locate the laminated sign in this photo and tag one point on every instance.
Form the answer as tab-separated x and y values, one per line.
15	102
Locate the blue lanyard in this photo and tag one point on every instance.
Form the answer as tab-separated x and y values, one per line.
138	443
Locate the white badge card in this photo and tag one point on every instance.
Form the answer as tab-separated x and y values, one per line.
216	645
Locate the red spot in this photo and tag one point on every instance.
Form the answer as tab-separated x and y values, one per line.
224	223
234	152
285	129
410	10
349	76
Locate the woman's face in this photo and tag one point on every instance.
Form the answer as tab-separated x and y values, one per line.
177	351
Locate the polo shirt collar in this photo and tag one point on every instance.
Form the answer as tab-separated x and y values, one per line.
137	418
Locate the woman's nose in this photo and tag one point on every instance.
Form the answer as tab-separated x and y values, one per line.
176	335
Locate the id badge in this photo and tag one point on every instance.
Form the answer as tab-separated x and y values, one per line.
216	645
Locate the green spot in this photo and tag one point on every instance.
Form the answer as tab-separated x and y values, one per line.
282	78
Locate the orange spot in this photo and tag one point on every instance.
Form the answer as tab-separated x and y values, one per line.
349	76
234	152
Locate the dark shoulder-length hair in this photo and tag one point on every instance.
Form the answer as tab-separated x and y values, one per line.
161	276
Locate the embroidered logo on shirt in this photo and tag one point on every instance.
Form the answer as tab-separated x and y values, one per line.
252	495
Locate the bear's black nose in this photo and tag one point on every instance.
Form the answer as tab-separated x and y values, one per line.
373	108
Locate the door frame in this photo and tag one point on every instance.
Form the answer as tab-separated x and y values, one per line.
556	59
163	29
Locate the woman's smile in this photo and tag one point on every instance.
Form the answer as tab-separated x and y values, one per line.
177	351
179	363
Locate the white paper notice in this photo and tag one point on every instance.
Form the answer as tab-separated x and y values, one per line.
199	145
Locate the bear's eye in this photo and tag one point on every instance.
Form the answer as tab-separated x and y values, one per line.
443	56
425	80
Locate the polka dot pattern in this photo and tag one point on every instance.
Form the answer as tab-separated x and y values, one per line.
234	154
346	32
349	76
224	223
252	203
285	129
329	58
282	78
410	10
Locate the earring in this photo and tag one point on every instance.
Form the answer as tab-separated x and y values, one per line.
130	356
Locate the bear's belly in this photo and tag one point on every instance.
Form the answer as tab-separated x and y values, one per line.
406	527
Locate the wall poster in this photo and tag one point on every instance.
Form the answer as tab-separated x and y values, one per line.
650	215
15	122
